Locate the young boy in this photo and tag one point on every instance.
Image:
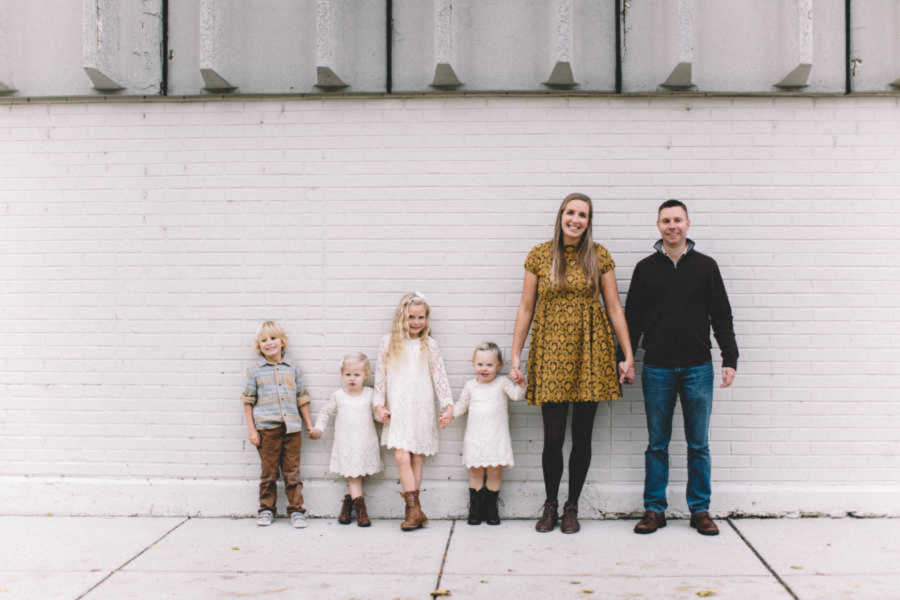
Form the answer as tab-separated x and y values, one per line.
274	398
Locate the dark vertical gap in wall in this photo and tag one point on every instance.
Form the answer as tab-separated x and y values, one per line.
164	78
848	84
389	45
618	23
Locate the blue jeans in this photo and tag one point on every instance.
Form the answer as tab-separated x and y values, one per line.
661	386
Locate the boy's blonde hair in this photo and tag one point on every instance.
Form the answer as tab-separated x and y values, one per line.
400	326
271	329
489	347
357	358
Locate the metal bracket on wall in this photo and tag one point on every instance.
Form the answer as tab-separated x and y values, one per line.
796	79
895	84
101	81
327	80
100	27
679	79
561	78
213	82
6	89
445	78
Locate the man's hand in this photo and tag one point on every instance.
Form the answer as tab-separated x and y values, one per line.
727	376
626	372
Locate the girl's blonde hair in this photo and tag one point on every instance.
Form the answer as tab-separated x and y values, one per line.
585	254
357	358
489	347
271	329
400	326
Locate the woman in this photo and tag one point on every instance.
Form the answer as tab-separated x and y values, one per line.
572	357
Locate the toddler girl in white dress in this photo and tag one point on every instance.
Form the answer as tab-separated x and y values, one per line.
487	447
409	374
355	452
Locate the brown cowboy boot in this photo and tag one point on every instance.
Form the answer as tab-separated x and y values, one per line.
346	506
362	516
411	521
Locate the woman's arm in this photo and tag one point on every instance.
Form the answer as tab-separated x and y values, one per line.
610	291
523	323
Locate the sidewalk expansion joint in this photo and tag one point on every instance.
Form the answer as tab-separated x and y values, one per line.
132	559
437	584
763	560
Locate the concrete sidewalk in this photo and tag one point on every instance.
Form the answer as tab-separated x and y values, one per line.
132	557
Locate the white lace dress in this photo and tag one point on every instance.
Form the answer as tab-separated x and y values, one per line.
408	386
355	451
487	442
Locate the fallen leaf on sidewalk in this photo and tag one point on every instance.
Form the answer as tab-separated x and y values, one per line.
797	567
574	582
706	593
587	591
235	548
440	592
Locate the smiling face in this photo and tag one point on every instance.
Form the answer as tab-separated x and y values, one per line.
673	225
486	365
271	347
575	218
353	376
417	319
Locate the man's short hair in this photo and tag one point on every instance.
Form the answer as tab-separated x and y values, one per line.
670	203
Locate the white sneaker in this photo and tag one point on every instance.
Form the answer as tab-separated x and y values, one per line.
265	518
298	520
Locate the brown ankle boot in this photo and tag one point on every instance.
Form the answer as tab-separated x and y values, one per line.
414	516
346	505
362	516
549	517
570	518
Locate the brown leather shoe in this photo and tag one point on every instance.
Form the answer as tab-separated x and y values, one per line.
344	517
703	523
362	516
570	519
549	517
415	518
650	522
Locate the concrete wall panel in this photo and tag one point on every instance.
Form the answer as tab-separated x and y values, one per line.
735	46
876	45
270	46
42	50
504	44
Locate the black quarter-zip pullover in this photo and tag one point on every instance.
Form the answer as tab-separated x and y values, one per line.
672	307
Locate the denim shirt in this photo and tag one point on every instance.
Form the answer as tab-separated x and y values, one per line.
276	392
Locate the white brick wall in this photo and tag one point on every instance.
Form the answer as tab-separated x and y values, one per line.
143	242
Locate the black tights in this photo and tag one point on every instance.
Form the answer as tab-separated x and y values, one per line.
554	415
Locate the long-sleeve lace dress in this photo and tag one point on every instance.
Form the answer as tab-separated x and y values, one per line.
355	451
487	442
408	387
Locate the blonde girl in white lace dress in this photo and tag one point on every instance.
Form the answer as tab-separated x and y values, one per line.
487	447
409	374
355	452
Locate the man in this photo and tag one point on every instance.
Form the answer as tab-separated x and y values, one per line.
675	294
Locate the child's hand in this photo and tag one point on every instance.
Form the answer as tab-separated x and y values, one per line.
515	373
383	414
315	434
253	436
446	417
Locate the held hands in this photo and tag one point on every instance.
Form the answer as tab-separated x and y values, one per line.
626	372
727	376
515	373
314	434
446	417
383	414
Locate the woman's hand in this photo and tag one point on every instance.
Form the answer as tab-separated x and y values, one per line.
626	371
383	414
515	373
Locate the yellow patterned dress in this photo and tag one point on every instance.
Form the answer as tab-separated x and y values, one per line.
572	357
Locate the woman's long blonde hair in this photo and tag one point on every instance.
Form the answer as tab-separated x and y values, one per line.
400	326
585	254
